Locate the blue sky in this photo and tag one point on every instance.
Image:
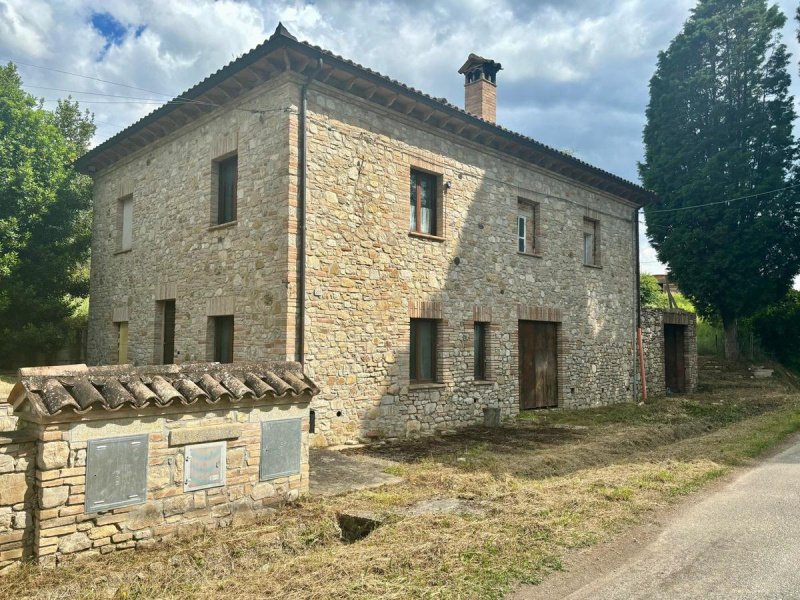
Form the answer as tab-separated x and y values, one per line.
575	72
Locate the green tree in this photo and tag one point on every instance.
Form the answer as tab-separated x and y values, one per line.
778	328
719	128
44	218
650	293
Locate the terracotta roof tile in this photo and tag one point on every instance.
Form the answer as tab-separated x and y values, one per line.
79	389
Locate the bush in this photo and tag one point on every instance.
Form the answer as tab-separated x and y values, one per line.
778	327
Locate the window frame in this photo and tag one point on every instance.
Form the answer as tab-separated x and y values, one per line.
594	234
165	307
480	368
415	227
219	209
415	352
524	237
124	202
216	346
122	334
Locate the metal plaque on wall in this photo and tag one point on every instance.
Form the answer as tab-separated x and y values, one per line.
116	472
204	466
280	448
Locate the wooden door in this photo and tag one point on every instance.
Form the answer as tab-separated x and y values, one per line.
538	365
674	363
168	352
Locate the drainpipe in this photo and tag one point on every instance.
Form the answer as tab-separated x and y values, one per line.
637	285
302	196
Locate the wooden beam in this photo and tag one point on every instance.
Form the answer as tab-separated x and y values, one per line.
287	62
411	108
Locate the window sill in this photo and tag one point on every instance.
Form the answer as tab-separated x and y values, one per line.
592	266
484	382
219	226
432	385
125	251
425	236
530	254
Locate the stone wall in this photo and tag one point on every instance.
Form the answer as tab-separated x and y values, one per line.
17	463
43	474
177	253
367	276
365	272
653	321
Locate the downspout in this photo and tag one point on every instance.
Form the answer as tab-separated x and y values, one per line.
637	286
302	196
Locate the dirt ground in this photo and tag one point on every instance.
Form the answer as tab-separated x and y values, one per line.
522	500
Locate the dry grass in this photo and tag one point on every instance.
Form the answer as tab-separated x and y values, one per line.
550	482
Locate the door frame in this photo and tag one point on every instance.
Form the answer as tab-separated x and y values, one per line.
558	358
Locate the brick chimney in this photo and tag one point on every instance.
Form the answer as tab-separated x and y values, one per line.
480	87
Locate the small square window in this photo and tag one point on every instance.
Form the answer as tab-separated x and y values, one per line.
424	350
424	203
223	338
125	223
480	347
227	182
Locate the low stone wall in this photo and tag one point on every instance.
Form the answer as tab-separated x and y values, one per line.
64	528
17	463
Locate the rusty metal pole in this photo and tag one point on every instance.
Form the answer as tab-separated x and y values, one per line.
641	363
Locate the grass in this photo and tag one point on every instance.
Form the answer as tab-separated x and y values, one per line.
549	483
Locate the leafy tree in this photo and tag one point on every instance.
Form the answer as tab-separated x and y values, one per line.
719	128
650	293
44	218
778	328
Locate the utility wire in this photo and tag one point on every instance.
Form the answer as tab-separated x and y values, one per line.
664	210
133	87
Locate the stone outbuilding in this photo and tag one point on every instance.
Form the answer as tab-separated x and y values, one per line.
111	458
669	341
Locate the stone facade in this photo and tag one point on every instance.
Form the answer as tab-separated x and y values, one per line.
17	502
653	321
366	275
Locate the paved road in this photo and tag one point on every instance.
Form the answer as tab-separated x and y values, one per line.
741	542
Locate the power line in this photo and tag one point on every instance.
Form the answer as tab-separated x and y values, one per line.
133	87
726	201
54	89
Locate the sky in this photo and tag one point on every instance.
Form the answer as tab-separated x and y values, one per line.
575	72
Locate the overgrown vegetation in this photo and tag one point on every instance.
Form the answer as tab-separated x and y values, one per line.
720	152
45	219
650	294
541	487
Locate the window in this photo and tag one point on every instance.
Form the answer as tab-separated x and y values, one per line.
424	203
227	179
122	342
527	225
423	350
479	346
590	242
125	223
167	331
223	339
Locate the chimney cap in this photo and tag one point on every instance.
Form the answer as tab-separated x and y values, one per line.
474	61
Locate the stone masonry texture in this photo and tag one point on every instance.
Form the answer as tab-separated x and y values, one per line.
366	276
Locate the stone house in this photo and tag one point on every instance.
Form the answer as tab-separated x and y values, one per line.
420	261
115	457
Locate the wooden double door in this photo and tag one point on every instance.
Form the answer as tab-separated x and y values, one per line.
538	365
674	358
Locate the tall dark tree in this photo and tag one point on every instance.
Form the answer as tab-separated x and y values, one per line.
719	134
44	218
